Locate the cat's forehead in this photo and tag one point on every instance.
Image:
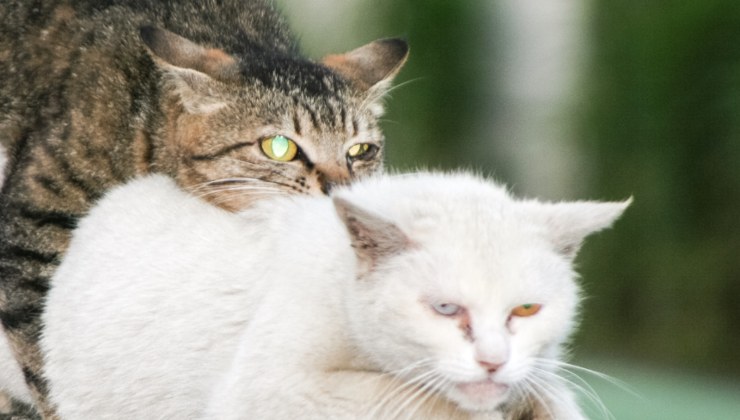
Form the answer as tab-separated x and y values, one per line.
471	236
291	78
441	204
490	271
328	105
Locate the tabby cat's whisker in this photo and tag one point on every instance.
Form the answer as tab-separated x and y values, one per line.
241	188
264	169
227	181
223	196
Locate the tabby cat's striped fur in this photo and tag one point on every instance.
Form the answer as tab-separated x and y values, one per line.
96	92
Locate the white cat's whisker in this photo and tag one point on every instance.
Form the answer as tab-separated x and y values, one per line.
425	387
434	391
393	390
581	386
524	390
569	367
536	387
399	383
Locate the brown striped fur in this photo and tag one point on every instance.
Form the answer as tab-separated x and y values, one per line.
94	93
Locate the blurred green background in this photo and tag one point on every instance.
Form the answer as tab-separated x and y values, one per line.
566	99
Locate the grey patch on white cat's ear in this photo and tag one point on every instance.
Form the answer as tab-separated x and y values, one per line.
193	70
373	238
568	224
371	67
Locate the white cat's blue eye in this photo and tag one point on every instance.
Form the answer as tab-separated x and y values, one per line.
447	309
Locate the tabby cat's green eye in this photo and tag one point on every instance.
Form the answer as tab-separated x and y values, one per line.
279	148
361	151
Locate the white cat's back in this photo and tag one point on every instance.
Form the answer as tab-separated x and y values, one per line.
141	278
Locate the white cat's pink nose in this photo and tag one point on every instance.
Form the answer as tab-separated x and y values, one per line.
490	366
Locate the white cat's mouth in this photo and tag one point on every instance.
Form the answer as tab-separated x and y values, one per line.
480	395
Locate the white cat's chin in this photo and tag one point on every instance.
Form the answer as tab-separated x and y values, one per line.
482	395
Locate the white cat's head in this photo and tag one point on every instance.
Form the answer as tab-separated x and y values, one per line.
468	292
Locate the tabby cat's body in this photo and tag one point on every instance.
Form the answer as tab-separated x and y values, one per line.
94	92
420	296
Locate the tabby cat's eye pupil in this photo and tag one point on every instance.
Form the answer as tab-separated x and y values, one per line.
279	148
360	150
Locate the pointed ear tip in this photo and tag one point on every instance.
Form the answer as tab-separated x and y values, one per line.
340	205
338	201
623	205
398	46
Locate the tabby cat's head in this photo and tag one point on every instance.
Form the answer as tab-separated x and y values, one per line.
261	122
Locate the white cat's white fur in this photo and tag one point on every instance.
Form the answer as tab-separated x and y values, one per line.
168	308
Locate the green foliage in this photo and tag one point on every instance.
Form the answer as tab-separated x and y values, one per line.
663	123
433	114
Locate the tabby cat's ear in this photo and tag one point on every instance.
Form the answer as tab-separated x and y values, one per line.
373	238
569	223
371	67
191	68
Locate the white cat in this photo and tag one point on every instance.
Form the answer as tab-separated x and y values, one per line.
410	296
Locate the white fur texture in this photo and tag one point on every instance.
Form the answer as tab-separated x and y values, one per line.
168	308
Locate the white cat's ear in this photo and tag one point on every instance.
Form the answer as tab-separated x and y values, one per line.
193	70
373	238
372	67
569	223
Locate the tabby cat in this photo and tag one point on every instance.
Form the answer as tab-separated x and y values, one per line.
212	93
420	296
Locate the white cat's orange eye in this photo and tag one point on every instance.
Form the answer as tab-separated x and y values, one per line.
447	309
279	148
528	309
